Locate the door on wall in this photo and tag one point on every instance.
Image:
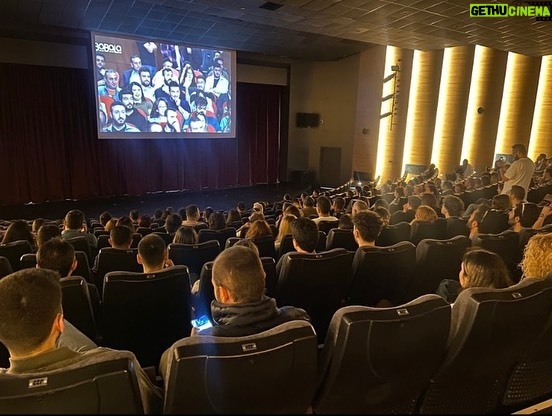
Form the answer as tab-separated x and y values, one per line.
330	167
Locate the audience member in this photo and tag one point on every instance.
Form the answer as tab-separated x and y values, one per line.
127	222
284	229
425	213
152	254
258	229
19	230
323	208
537	257
47	232
367	226
216	221
479	268
185	235
74	225
192	216
523	215
519	172
173	223
31	330
345	222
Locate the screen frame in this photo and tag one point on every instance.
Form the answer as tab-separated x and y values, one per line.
102	135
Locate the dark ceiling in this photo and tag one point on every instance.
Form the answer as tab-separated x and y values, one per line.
304	29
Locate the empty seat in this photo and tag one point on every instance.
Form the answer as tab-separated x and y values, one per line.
146	313
436	260
114	259
490	330
326	226
381	274
393	234
422	229
103	384
194	256
315	282
380	360
456	226
13	252
506	245
341	238
219	235
270	372
266	246
80	243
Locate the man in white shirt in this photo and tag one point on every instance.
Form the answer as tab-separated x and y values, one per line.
520	171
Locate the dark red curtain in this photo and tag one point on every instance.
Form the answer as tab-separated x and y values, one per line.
49	150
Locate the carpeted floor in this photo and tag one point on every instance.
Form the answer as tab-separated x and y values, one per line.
218	199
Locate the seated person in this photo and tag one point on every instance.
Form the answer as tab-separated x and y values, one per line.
185	235
30	330
523	215
323	208
537	257
120	237
367	227
74	225
479	268
152	254
240	307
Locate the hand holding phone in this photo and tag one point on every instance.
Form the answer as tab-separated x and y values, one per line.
201	323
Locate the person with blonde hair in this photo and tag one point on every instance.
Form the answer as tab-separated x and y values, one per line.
537	257
479	268
284	229
258	229
425	213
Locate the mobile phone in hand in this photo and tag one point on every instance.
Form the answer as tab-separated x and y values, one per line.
203	322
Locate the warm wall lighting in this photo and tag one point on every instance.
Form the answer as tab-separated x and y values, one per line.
541	133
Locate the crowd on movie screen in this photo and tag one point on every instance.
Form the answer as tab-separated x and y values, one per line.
189	92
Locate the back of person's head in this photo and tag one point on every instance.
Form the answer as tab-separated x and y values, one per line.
501	202
216	221
339	203
256	216
447	185
485	179
134	214
31	301
257	229
480	213
240	206
152	250
425	213
104	217
323	204
345	222
368	224
258	207
185	235
47	232
483	268
453	205
520	148
359	206
293	210
380	203
429	199
74	220
309	201
120	236
144	221
284	228
537	257
305	233
527	212
246	242
384	214
18	230
58	255
158	213
37	223
173	223
240	272
517	192
233	216
127	222
192	212
110	224
414	202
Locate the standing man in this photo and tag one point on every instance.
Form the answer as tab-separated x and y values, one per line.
520	171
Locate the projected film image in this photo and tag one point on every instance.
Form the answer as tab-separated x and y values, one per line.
149	89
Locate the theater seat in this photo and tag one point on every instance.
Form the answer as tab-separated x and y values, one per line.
194	256
380	360
146	313
490	330
270	372
422	229
77	305
393	234
101	384
83	269
506	245
315	282
219	235
13	252
341	238
115	260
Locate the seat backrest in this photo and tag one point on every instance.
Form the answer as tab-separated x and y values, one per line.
13	252
206	293
146	313
101	384
381	273
506	245
5	267
266	247
286	245
494	222
380	360
115	260
80	243
28	260
144	230
219	235
77	305
167	238
326	226
422	229
315	282
194	256
341	238
321	246
436	260
490	330
270	372
103	241
456	226
393	234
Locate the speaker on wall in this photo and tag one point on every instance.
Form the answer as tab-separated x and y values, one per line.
308	120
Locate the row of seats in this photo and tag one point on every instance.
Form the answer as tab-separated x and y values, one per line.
489	353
